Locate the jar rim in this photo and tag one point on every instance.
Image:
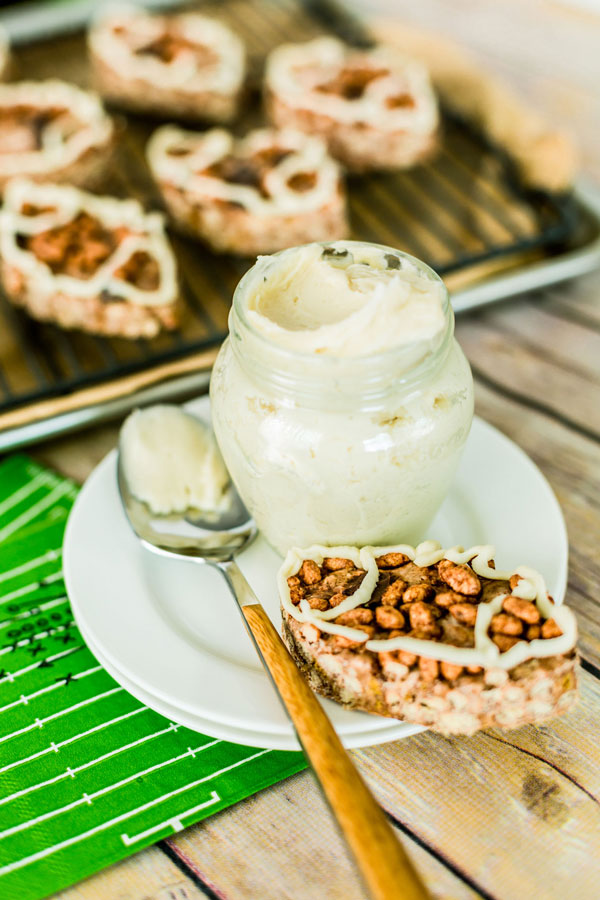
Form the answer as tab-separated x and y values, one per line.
392	354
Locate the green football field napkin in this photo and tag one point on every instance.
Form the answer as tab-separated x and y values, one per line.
88	774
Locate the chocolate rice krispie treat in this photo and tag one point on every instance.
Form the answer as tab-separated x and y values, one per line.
98	264
375	108
184	65
53	131
436	637
268	190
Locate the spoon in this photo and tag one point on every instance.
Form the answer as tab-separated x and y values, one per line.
213	538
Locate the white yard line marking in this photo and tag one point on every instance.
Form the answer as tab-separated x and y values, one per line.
33	511
40	635
71	772
39	723
88	798
59	512
10	676
48	851
56	747
41	479
49	556
28	588
175	823
50	687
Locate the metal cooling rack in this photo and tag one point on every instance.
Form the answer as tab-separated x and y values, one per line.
459	212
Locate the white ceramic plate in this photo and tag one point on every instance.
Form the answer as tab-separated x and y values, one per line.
228	732
170	629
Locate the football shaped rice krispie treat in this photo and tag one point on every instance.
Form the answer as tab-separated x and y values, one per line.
94	263
53	131
436	637
375	108
183	65
270	190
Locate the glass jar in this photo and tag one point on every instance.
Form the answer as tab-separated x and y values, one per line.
340	450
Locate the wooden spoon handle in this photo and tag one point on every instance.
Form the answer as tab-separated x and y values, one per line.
386	869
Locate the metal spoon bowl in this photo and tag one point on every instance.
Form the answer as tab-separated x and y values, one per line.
205	535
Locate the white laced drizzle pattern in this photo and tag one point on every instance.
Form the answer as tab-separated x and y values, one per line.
309	154
485	653
119	32
322	59
58	148
146	234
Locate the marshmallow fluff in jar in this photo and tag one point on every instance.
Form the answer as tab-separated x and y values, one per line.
341	400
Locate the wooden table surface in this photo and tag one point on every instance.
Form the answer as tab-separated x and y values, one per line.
509	816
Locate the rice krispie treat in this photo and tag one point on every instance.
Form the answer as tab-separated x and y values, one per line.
436	637
375	108
183	65
53	131
270	190
95	263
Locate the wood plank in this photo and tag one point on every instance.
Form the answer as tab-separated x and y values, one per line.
528	374
571	463
536	784
522	826
569	345
150	875
286	847
580	300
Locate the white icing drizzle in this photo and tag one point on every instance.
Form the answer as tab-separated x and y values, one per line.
59	148
118	33
485	653
309	154
294	71
146	234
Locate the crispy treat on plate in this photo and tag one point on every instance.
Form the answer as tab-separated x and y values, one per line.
53	131
375	108
183	65
270	190
436	637
95	263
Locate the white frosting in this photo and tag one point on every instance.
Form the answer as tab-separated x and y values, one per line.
139	28
317	453
59	148
146	234
206	148
294	72
485	652
369	308
171	460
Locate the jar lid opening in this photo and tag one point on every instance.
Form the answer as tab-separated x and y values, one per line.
274	347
